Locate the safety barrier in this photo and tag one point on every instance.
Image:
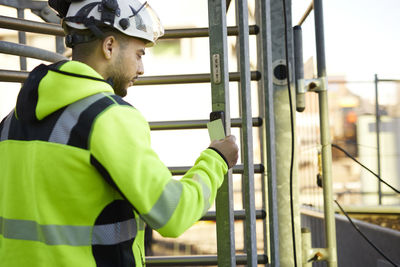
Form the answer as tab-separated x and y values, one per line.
352	249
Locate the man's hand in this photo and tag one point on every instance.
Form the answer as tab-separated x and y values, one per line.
228	148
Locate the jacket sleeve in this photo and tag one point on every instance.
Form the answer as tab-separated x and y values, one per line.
120	142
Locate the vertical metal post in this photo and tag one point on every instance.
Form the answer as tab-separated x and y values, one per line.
246	132
267	132
283	136
378	142
21	39
220	102
330	229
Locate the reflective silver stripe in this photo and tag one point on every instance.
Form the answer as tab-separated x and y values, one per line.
110	234
72	235
62	130
165	206
206	192
6	126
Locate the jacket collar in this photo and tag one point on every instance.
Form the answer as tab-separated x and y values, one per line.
52	87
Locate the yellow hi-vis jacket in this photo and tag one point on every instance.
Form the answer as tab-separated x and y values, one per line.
79	180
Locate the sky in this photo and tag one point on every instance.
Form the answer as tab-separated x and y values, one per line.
362	36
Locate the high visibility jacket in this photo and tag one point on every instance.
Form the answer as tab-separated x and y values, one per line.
79	180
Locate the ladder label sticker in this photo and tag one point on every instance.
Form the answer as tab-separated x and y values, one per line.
216	68
216	130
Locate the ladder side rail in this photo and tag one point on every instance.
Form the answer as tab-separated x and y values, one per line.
220	102
267	132
246	134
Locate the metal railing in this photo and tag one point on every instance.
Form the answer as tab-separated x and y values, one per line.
329	253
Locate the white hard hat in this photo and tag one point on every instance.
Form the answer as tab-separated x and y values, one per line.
131	17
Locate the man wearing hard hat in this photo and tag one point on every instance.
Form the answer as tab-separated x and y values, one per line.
79	180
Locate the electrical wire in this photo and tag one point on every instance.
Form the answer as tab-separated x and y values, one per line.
357	144
364	236
365	167
292	134
348	217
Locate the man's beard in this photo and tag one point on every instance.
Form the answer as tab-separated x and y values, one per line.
120	84
120	80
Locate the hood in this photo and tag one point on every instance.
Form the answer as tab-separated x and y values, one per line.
52	87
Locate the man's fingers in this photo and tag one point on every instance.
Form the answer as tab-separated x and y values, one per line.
231	137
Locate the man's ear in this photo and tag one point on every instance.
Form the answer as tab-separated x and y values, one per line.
109	46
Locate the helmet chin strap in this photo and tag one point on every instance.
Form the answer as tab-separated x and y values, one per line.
92	24
73	39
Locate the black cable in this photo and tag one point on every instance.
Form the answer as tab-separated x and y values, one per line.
350	142
365	167
365	237
292	134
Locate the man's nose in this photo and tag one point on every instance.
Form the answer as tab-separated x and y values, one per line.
140	69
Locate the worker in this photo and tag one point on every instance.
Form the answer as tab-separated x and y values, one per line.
78	177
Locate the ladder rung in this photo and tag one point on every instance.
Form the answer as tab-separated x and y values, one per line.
30	26
203	32
17	49
198	260
190	78
238	169
238	215
195	124
13	76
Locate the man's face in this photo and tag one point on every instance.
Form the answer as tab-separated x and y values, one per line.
127	65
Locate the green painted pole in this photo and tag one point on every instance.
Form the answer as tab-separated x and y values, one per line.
326	149
220	102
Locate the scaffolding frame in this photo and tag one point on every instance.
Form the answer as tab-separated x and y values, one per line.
268	31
